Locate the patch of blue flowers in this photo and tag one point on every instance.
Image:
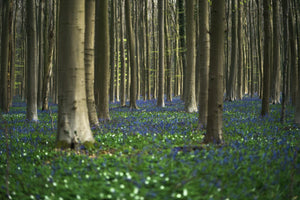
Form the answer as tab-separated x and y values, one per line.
154	153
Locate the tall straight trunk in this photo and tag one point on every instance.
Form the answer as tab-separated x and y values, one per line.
41	52
49	35
148	62
240	64
190	89
73	128
267	42
4	101
215	93
102	60
297	112
138	47
231	90
181	22
31	65
275	91
168	57
285	13
122	58
251	64
112	51
154	59
161	13
131	45
117	90
89	46
204	61
293	57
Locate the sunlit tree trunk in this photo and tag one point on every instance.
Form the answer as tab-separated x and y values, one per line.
31	65
131	45
89	63
102	60
204	61
267	42
190	90
161	84
215	93
73	122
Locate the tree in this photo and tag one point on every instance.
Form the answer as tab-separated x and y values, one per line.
48	53
112	51
275	90
73	124
204	61
122	58
89	60
131	44
215	92
6	9
240	63
31	112
231	90
102	60
161	84
267	46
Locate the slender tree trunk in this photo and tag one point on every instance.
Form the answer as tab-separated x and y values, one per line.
215	94
117	90
181	20
204	61
73	124
285	11
190	100
267	42
293	57
112	51
240	64
161	13
41	52
231	90
260	60
148	63
297	112
133	67
122	58
154	74
89	64
102	60
168	56
6	9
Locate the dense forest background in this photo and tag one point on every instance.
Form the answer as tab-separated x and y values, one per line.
79	65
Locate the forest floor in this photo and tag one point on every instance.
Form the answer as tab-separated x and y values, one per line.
154	153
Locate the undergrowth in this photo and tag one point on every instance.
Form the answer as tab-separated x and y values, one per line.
154	153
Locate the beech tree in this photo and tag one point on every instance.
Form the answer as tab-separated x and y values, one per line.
73	128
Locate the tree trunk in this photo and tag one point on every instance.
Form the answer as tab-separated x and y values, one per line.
102	60
267	42
215	93
285	11
73	124
148	63
31	65
133	67
168	56
231	90
112	52
161	13
41	52
6	10
89	64
190	100
181	21
117	90
240	64
122	58
297	112
204	62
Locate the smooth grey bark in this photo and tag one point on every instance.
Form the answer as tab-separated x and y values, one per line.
112	51
31	111
204	61
73	128
89	56
190	88
240	64
122	58
215	92
161	82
